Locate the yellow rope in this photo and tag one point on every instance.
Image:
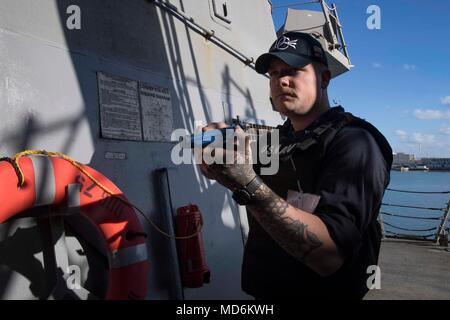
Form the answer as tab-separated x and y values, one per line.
99	184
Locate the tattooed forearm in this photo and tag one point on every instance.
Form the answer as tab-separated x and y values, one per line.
236	175
292	235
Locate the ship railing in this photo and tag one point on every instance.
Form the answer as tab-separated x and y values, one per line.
326	26
209	35
440	234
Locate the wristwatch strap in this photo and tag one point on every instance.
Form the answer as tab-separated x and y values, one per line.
254	185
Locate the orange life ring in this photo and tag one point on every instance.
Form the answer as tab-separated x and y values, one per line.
47	182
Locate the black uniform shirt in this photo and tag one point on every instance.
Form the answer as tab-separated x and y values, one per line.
350	179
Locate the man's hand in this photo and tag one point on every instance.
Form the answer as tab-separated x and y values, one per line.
239	171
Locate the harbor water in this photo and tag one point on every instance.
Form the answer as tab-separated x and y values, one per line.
417	181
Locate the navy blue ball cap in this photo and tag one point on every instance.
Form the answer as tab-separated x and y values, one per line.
296	49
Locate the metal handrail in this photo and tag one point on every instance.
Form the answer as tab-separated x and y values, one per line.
410	217
208	34
440	230
412	207
422	192
294	4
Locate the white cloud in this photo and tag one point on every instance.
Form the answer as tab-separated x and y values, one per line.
421	144
408	67
445	130
400	134
445	100
422	138
376	65
430	114
415	137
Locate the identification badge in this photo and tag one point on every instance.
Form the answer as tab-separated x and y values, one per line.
304	201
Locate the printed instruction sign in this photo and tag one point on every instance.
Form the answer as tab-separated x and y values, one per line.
120	116
157	116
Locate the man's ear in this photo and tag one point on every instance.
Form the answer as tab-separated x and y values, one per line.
326	77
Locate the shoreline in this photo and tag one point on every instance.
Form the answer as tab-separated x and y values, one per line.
420	170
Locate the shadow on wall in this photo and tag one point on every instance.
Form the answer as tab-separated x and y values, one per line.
29	267
140	42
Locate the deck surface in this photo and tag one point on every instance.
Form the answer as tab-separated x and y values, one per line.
413	270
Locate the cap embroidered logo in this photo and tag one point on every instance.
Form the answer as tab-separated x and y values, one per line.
284	42
296	49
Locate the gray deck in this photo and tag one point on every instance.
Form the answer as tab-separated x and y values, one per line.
413	270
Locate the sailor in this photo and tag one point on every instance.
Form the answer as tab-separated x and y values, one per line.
313	229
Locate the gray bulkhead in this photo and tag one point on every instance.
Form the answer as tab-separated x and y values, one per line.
49	99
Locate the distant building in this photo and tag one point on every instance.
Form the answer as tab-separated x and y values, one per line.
436	163
402	159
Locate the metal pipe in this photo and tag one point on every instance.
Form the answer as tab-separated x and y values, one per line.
327	19
381	222
341	34
442	224
166	204
208	34
294	4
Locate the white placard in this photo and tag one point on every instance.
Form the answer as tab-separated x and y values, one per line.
157	116
115	155
120	116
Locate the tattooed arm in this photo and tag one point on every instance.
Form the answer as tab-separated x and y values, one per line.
301	234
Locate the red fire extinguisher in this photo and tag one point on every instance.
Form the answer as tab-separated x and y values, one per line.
191	254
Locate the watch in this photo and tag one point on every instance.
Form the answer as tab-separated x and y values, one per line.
244	195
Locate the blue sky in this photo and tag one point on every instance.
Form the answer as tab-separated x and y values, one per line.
401	79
